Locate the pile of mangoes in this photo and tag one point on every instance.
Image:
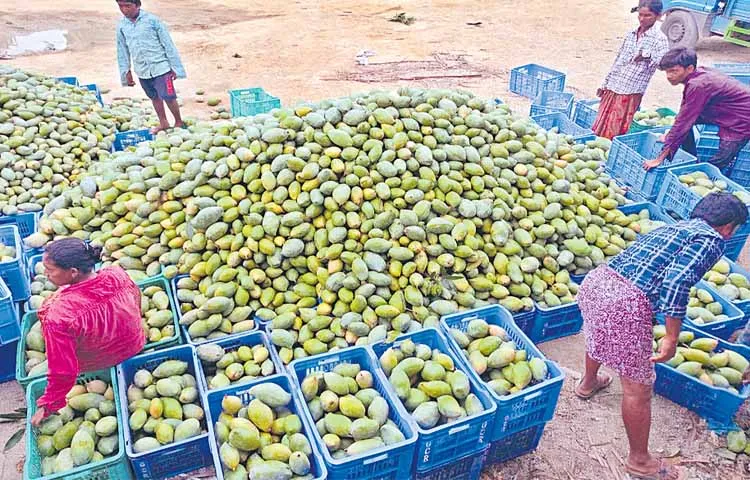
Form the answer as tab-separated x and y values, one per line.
645	223
262	438
703	307
238	365
427	381
351	416
732	286
698	358
700	183
83	432
40	286
164	406
652	118
504	366
35	351
7	253
157	314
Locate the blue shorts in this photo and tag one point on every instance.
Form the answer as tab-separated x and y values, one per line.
159	87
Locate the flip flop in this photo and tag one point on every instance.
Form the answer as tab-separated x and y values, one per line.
155	130
665	472
600	386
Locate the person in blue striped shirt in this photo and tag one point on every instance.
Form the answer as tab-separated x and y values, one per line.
143	39
619	301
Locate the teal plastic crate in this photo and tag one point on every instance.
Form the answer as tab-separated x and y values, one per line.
114	467
232	343
213	402
446	443
717	405
391	462
175	458
246	102
162	282
27	320
637	126
467	468
519	411
13	272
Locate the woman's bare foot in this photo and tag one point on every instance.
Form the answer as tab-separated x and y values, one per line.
160	128
654	469
585	390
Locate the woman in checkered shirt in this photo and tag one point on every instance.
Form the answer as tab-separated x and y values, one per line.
636	63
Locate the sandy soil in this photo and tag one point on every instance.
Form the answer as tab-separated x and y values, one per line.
305	50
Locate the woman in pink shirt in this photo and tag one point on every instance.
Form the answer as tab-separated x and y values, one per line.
93	322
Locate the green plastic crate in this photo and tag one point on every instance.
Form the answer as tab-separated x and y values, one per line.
27	321
115	467
663	112
161	281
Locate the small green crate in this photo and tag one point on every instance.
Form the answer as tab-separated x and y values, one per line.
636	126
112	468
176	339
246	102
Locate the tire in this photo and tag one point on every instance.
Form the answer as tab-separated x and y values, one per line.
680	29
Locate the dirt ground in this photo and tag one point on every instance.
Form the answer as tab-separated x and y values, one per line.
305	50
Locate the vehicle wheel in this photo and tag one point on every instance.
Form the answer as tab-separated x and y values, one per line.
680	29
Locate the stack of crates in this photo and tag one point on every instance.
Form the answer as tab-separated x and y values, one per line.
13	271
707	144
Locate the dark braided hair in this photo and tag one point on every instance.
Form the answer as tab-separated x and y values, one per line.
720	208
73	253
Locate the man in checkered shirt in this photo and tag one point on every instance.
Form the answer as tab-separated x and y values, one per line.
634	66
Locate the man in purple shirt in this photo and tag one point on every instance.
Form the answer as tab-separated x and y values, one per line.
709	97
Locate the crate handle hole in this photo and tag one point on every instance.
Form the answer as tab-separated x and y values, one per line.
372	460
460	429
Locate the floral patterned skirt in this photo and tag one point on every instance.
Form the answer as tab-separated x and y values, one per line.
616	113
617	323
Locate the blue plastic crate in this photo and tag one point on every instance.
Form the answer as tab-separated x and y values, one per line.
172	459
131	138
515	445
26	222
69	80
725	328
525	320
531	406
717	405
742	305
655	212
585	112
13	272
564	126
94	88
385	463
556	322
10	329
213	402
251	101
727	67
8	361
529	80
467	468
678	198
446	443
626	157
552	102
734	247
114	467
249	339
577	278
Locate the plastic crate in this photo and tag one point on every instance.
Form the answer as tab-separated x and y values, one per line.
734	247
678	198
552	102
94	88
577	278
733	67
13	272
585	112
467	468
717	405
131	138
31	262
251	101
556	322
114	467
655	212
8	361
185	333
742	305
564	126
529	80
626	157
636	126
725	328
26	222
525	320
162	282
28	319
213	402
10	331
69	80
531	406
444	444
385	463
250	339
514	445
179	457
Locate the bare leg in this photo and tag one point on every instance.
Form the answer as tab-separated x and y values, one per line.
636	415
161	113
174	107
591	379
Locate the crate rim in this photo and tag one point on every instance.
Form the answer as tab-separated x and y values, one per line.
13	229
161	279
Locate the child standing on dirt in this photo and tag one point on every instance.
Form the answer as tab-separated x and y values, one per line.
144	39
